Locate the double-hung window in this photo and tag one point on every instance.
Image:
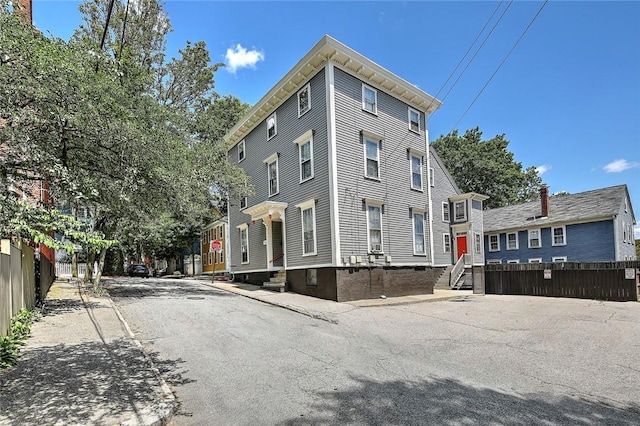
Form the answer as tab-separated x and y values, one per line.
512	241
414	120
559	236
419	243
477	243
432	177
272	129
374	227
241	147
308	220
494	242
446	216
460	211
534	238
372	158
305	150
369	99
304	100
244	243
243	203
272	174
416	172
446	243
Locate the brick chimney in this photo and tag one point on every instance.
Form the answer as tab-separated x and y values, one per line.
23	8
544	200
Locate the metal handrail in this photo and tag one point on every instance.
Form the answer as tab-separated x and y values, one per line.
278	257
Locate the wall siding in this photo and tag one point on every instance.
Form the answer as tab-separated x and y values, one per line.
291	191
440	193
625	250
394	187
585	242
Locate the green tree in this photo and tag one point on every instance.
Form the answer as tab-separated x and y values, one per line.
638	249
116	129
487	167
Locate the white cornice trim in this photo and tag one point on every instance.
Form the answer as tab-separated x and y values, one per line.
330	50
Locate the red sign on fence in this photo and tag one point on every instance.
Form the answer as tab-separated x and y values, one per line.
216	245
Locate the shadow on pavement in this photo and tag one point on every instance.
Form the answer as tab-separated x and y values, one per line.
88	383
452	402
65	306
138	288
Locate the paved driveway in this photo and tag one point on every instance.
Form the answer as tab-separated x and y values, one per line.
484	360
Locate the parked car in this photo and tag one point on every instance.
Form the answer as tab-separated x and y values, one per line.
138	270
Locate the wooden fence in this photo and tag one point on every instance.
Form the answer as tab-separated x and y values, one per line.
24	280
17	282
616	281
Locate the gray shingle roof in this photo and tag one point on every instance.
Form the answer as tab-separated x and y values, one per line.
584	206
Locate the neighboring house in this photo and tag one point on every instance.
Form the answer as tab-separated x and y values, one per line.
338	153
215	261
589	226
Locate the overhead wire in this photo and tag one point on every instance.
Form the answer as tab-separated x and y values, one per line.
501	63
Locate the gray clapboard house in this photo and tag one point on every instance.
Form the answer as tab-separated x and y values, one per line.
346	197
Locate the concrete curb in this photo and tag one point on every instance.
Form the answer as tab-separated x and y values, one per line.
315	314
166	408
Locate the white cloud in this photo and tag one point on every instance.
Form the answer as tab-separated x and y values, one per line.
621	165
543	169
239	57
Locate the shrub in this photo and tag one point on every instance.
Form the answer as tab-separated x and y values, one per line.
20	328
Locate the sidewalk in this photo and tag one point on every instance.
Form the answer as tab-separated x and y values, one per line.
82	365
328	310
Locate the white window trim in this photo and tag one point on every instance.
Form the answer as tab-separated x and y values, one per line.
494	261
415	211
246	202
411	157
379	205
375	102
307	87
244	152
535	260
273	160
464	209
513	261
517	247
477	243
303	139
377	142
410	110
304	206
446	208
497	240
275	126
432	177
445	238
559	259
564	236
244	227
539	238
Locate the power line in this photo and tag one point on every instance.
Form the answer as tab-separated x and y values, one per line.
469	49
501	63
478	50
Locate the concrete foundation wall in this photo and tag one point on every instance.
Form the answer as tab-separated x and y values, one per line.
365	283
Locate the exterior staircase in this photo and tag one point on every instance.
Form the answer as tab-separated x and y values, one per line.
443	280
277	282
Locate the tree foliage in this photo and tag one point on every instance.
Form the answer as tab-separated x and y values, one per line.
115	127
487	167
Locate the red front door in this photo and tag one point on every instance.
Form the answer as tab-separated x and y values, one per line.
461	244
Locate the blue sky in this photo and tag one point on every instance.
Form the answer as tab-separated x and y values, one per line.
567	97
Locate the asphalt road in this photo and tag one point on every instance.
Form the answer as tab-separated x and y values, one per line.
488	360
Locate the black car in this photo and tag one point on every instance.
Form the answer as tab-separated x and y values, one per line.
138	270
